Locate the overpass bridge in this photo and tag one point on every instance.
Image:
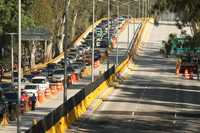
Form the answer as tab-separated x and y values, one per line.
148	97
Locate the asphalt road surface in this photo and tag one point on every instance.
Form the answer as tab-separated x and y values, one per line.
151	99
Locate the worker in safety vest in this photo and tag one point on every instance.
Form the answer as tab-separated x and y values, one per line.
33	102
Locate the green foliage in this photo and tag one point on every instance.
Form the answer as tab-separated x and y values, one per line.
187	10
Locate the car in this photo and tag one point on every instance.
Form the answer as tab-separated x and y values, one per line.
31	89
73	50
81	50
80	64
77	69
51	67
5	86
86	47
23	82
75	55
62	62
71	59
70	70
28	77
58	75
41	81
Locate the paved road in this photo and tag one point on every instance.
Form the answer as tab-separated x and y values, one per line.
151	99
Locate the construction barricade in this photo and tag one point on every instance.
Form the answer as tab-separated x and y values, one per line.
40	96
47	93
114	42
53	88
188	74
60	86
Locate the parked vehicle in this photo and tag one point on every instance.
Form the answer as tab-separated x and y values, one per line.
77	69
31	89
58	75
41	81
71	59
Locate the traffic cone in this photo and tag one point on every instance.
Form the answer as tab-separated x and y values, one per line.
41	97
4	121
53	89
187	75
47	93
34	121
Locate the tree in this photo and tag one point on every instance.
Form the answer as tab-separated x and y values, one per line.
187	11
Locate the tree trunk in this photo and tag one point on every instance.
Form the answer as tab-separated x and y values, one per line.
33	51
60	37
49	52
74	27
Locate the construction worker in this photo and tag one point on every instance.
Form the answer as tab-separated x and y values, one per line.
33	102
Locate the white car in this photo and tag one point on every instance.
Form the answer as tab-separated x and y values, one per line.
58	75
31	89
41	81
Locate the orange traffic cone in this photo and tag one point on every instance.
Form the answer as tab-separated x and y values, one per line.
47	93
187	74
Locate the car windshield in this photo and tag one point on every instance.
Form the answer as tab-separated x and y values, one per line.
27	87
73	50
38	81
75	67
11	96
59	72
69	69
15	74
51	66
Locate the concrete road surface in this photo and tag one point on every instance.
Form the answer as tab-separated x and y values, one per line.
151	99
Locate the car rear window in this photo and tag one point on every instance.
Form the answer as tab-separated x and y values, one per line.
38	81
27	87
59	72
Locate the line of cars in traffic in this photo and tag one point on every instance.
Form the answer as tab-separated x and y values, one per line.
78	58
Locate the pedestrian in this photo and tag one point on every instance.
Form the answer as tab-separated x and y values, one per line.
33	102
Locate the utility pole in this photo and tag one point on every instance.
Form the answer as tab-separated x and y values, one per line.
65	50
19	69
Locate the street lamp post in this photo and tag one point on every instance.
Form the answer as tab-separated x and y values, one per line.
108	35
12	57
65	51
19	68
128	26
93	39
139	9
117	58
